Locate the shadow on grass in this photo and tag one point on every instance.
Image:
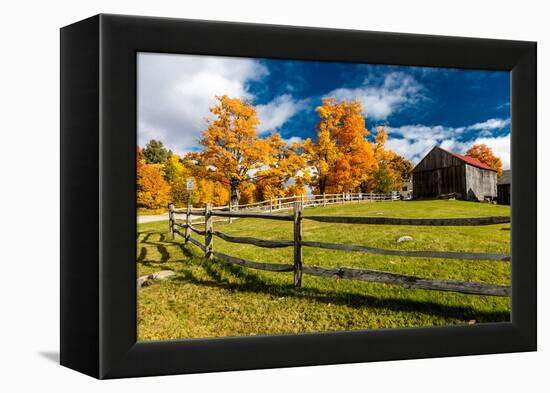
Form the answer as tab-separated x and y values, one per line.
164	254
185	251
146	237
222	275
142	254
161	248
218	272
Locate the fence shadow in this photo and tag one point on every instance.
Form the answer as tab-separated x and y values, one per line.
142	254
161	248
219	274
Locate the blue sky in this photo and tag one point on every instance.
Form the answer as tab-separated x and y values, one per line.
421	107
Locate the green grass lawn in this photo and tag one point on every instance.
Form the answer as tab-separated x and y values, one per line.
213	298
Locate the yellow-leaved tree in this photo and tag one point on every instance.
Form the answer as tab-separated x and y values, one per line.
341	156
175	173
232	149
283	163
153	191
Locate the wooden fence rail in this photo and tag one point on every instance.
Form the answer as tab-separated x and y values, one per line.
254	241
472	256
475	221
376	276
287	203
343	272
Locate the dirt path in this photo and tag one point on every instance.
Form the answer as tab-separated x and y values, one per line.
152	218
158	217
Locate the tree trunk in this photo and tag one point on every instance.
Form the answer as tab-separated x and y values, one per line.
235	194
322	185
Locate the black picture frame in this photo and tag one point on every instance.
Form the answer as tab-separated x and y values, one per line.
98	210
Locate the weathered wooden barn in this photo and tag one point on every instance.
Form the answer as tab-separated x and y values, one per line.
504	188
442	172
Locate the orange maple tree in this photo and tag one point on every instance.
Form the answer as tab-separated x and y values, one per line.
342	158
484	154
153	191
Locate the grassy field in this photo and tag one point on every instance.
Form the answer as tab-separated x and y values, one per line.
212	298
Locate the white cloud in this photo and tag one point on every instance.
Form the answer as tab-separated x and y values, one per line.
420	131
277	112
382	98
491	124
414	141
176	91
411	149
293	139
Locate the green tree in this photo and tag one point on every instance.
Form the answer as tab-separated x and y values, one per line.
402	167
155	152
383	180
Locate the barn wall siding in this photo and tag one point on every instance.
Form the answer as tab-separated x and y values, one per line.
440	181
437	159
480	183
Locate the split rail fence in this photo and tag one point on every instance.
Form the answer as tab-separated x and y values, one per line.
209	213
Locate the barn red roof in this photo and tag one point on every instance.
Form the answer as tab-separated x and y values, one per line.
470	160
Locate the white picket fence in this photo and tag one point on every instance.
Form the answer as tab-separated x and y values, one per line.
287	203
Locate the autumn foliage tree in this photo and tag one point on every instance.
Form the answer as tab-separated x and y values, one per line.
237	166
342	157
207	188
321	155
231	147
402	167
283	163
153	191
484	154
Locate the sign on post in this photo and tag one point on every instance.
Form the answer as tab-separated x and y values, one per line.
190	183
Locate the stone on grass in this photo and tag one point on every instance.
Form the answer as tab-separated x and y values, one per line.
142	280
405	239
163	274
145	281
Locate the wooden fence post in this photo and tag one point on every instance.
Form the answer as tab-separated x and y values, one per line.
343	196
297	245
324	200
208	237
271	204
230	209
188	221
171	220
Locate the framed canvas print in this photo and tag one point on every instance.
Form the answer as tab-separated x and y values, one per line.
239	196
